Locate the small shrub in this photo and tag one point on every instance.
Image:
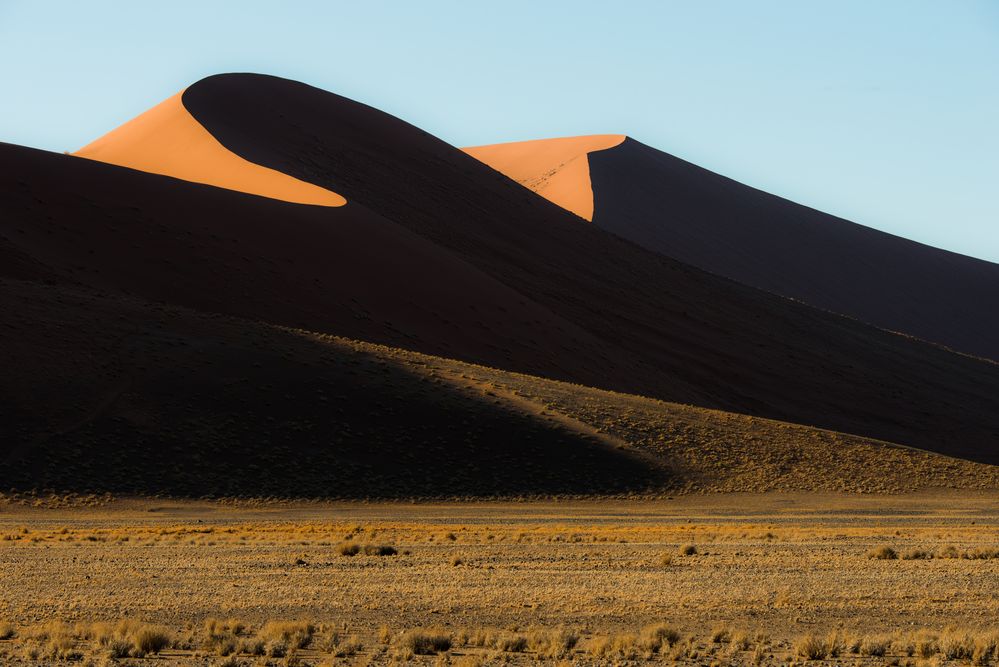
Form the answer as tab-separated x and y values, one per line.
296	634
985	650
552	643
926	645
957	646
118	648
883	553
721	634
512	643
425	642
152	639
740	642
277	649
688	550
256	647
7	630
347	647
654	637
348	548
379	550
384	635
812	647
949	552
877	647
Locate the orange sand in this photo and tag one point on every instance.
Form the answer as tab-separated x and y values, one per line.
557	169
168	140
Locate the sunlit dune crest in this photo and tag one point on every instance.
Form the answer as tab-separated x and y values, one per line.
168	140
557	169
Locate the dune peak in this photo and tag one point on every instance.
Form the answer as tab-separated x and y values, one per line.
557	169
169	140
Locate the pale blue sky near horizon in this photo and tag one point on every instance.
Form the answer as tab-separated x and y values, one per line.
884	113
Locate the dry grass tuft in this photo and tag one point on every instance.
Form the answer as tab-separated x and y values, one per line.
427	642
151	639
654	638
348	548
877	647
812	647
7	630
379	550
688	550
883	553
296	634
552	643
344	648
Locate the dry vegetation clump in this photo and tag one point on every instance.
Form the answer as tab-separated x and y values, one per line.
427	642
57	640
957	645
294	634
877	647
552	643
949	552
688	550
379	550
645	644
654	638
815	647
507	641
883	553
151	639
7	630
221	636
353	548
348	548
344	647
740	642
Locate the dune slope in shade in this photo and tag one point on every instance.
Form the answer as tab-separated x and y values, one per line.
701	218
557	169
669	330
110	393
345	270
168	140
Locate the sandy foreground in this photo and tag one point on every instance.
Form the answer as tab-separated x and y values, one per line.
770	569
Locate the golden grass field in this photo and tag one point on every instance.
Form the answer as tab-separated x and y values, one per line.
699	579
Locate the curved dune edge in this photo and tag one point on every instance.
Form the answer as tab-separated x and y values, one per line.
168	140
556	169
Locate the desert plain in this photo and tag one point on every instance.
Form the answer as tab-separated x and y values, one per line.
715	579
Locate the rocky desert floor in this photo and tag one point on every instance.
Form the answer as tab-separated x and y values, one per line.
700	579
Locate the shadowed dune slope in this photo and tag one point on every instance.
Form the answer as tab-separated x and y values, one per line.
345	270
678	333
105	392
111	393
676	208
699	217
557	169
167	140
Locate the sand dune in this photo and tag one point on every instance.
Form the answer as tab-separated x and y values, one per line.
698	217
345	270
438	253
111	393
167	140
557	169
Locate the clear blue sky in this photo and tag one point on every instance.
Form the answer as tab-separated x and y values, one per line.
882	111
